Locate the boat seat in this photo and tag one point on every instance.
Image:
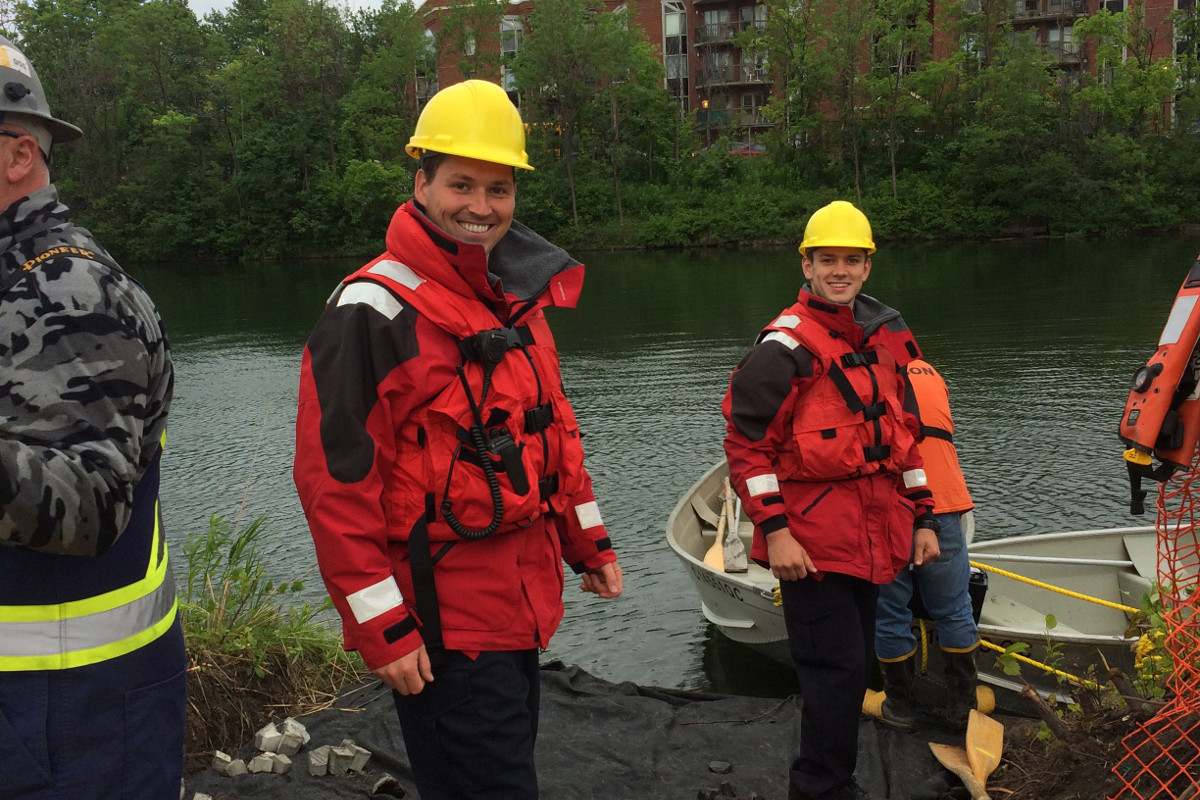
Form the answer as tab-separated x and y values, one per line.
1133	587
1004	612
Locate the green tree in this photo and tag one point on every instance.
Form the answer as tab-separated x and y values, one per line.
558	72
848	40
471	29
791	40
902	37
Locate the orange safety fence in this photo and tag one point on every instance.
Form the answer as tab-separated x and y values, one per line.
1162	757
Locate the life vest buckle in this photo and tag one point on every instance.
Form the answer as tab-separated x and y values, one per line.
539	419
488	347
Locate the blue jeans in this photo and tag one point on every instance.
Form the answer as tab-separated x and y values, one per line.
944	587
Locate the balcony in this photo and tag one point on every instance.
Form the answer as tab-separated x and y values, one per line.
724	32
1032	10
731	75
1062	53
713	118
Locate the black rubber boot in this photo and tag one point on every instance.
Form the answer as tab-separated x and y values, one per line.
899	684
962	679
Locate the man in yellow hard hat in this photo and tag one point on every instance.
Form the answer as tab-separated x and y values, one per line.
439	462
822	451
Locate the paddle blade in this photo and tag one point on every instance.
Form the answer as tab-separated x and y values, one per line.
735	553
715	557
985	744
955	760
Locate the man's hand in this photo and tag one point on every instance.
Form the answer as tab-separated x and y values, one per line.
409	674
789	560
925	547
605	581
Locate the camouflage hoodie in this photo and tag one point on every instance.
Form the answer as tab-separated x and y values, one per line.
85	384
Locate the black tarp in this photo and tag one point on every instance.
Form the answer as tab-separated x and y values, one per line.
609	742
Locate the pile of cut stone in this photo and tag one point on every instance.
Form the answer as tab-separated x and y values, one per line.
278	743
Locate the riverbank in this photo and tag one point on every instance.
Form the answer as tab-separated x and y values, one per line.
603	740
600	740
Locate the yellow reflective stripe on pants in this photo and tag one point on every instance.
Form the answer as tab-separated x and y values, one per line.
94	629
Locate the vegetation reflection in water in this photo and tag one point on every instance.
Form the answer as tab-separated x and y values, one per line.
1037	341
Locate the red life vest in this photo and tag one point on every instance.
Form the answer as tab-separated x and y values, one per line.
439	467
850	423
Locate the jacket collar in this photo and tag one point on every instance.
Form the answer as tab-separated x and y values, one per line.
524	270
864	318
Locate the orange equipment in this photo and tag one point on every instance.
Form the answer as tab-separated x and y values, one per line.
1162	414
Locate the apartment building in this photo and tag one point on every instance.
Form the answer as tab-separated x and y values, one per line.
709	72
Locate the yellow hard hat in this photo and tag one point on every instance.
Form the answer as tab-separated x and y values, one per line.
838	224
472	119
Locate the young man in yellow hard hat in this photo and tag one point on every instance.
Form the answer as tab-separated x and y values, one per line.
822	451
439	462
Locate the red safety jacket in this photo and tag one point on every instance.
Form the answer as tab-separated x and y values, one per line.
833	458
523	401
851	423
383	439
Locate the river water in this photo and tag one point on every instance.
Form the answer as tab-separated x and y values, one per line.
1037	342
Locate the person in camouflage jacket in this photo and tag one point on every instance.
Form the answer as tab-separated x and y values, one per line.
92	663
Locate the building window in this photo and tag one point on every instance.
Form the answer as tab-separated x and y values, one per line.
511	31
752	17
1114	6
622	13
675	50
427	82
468	43
716	26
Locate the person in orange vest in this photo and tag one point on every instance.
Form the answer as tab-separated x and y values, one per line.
943	584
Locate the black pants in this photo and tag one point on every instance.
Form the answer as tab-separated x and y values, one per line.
470	733
831	633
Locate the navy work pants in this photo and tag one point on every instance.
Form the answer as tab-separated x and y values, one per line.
107	731
470	733
831	634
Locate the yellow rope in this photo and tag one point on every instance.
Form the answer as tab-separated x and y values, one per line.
1051	588
1087	684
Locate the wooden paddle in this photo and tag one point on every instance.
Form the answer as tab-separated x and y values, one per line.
955	759
735	551
985	743
715	557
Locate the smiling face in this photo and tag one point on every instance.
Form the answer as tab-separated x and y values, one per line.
837	274
469	199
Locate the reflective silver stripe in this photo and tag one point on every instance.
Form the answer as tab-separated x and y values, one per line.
373	295
914	478
400	273
782	338
786	321
589	515
1181	312
378	598
71	635
762	484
